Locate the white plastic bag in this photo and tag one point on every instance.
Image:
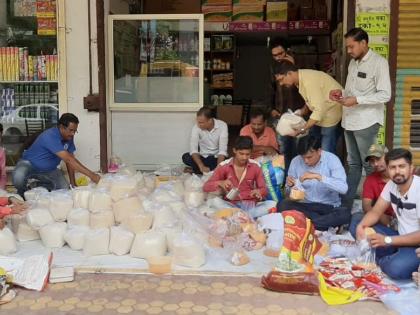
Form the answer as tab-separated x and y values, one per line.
60	206
81	197
33	193
188	252
78	216
96	242
163	216
193	183
194	199
120	241
75	236
126	207
122	187
150	181
149	244
52	235
43	200
140	179
37	218
103	219
7	242
163	195
138	223
26	233
100	200
289	123
105	182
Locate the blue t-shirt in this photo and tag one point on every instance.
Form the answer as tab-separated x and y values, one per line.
43	152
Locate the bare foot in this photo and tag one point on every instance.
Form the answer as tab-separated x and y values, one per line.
416	278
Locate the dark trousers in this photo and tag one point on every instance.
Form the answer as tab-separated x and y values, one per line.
322	216
289	150
210	162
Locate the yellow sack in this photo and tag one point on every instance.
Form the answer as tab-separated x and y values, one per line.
336	296
82	181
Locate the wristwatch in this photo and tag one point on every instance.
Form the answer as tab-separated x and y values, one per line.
388	240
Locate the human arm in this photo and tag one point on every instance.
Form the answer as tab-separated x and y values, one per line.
75	165
410	239
72	177
223	144
217	182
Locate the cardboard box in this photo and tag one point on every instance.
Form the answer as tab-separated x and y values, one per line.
172	6
276	11
246	2
248	13
217	13
216	2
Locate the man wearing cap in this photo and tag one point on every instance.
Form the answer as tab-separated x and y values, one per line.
373	186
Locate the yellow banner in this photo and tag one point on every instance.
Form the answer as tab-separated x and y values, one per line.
374	23
381	49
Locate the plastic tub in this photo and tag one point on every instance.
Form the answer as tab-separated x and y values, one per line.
160	264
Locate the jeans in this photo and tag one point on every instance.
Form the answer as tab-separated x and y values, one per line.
357	144
24	170
396	262
329	136
288	147
322	216
253	209
210	162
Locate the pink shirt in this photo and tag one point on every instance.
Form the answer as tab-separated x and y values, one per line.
4	210
267	139
253	180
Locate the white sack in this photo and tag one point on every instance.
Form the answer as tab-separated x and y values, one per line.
7	242
163	216
60	206
122	187
100	200
38	217
52	235
188	252
103	219
33	193
149	244
81	197
78	216
289	123
43	200
26	233
120	241
194	199
138	223
96	242
126	207
75	236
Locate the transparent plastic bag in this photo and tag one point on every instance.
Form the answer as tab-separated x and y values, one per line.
52	235
75	236
289	123
100	200
188	252
81	196
367	255
126	207
96	242
138	223
7	242
122	186
37	218
406	302
149	244
78	216
60	205
120	241
33	193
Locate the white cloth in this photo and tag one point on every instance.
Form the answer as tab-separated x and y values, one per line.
210	143
407	207
368	80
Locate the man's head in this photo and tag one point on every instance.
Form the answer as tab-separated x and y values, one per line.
286	73
242	149
205	118
309	147
376	157
67	124
400	165
357	42
278	50
258	122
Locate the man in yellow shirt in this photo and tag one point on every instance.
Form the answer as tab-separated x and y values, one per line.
315	87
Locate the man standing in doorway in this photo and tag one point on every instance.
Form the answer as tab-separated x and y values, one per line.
208	144
368	88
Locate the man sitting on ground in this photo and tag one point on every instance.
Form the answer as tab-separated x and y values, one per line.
264	138
396	250
373	186
42	158
322	177
241	182
208	145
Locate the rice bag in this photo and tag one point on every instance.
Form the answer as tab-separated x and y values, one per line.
78	216
75	236
26	233
289	123
43	200
126	207
188	252
7	242
122	187
81	197
37	218
103	219
163	216
100	200
149	244
120	241
52	235
96	242
60	205
33	193
138	223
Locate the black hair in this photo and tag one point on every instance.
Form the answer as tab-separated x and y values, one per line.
400	153
358	34
1	128
283	67
243	143
279	42
257	113
206	112
68	118
308	143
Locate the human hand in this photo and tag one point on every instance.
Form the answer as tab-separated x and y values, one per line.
15	201
226	185
377	240
290	181
275	113
95	178
310	175
348	101
336	95
256	194
18	208
204	169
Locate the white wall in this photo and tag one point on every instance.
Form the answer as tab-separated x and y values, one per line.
77	50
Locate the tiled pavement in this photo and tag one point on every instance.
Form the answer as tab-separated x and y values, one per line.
149	294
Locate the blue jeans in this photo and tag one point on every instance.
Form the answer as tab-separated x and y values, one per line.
358	143
329	136
396	262
210	162
24	170
323	216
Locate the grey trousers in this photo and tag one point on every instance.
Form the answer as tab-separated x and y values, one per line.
357	144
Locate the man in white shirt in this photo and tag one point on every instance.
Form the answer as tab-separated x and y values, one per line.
396	251
208	145
367	89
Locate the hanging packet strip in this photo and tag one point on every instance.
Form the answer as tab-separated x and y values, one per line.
273	172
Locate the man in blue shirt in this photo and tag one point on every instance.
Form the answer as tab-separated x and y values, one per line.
321	176
41	159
